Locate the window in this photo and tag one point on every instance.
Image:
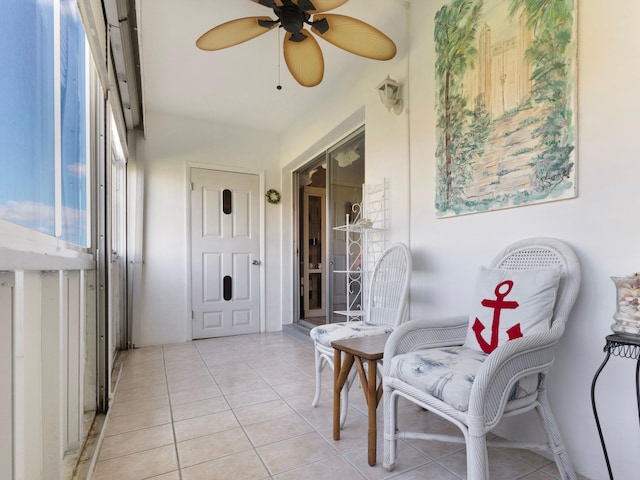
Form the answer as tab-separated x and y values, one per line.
73	122
43	126
27	160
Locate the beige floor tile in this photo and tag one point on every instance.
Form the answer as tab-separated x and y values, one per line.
527	456
352	436
277	429
280	376
142	393
329	468
420	421
219	358
321	417
234	374
505	467
136	441
435	450
188	382
137	421
212	447
193	394
295	452
141	380
245	465
263	411
538	475
199	408
260	420
501	466
139	405
212	346
175	374
175	475
294	388
137	466
153	368
552	470
252	397
205	425
265	362
407	459
432	471
145	352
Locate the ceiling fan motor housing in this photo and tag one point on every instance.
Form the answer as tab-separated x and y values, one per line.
292	19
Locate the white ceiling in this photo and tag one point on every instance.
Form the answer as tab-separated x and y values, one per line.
234	86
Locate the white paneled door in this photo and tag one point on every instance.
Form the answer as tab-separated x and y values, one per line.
225	249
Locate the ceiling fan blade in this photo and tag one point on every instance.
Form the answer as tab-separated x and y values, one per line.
234	32
304	58
319	6
354	36
269	3
310	6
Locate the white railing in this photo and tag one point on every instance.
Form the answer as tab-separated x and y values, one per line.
47	361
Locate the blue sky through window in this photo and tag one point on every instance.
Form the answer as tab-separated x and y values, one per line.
27	121
73	118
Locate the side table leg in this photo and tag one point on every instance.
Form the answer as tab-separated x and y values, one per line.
595	413
337	367
372	394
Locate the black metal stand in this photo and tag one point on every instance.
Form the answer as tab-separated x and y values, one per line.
625	347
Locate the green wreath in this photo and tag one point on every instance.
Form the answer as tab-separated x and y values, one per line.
273	196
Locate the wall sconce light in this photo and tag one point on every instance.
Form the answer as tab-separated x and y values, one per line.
389	91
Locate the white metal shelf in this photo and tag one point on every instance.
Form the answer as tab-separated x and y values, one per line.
365	241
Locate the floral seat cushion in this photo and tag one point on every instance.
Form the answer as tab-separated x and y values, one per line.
325	334
448	373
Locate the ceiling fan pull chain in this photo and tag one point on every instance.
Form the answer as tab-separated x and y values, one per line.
279	86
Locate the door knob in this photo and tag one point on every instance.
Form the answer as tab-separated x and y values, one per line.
255	262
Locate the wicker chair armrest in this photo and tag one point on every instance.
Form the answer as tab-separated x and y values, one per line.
416	334
506	365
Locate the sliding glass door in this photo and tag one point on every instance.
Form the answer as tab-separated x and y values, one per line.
328	188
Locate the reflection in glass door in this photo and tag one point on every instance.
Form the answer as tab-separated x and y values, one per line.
346	176
328	188
313	252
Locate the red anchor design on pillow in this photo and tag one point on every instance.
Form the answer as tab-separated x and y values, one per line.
498	305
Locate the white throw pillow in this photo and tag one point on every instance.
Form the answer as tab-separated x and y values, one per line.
509	304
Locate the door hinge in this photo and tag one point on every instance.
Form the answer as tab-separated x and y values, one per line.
192	187
193	315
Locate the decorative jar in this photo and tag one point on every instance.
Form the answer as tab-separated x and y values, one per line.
627	317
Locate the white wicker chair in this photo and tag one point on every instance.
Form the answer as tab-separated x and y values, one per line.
499	374
385	309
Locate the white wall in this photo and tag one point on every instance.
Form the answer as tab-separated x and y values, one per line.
170	146
601	224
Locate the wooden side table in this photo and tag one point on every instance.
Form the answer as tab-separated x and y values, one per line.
620	346
359	350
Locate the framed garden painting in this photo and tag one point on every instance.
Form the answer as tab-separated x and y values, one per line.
505	104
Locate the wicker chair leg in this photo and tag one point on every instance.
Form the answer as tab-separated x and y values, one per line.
321	362
344	399
556	444
477	459
390	404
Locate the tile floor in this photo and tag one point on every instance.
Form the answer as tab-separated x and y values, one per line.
240	408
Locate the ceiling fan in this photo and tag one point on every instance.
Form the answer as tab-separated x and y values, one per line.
302	53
